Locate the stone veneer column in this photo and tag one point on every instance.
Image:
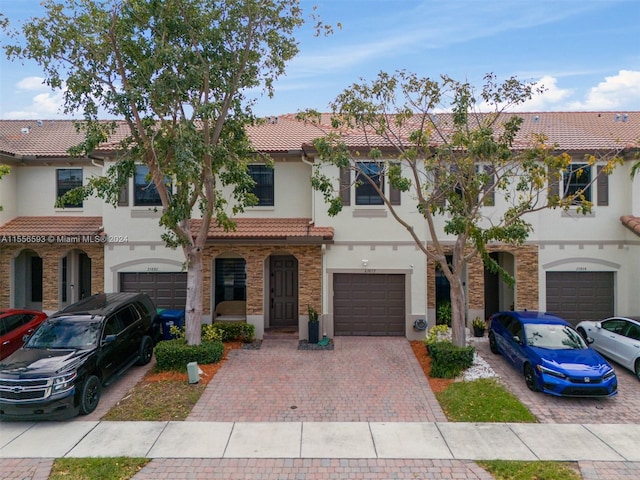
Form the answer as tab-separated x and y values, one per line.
475	283
527	277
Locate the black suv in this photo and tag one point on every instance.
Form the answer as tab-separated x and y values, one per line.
60	370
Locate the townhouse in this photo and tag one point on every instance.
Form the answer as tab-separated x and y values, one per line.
361	267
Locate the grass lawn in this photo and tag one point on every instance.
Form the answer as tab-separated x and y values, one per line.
119	468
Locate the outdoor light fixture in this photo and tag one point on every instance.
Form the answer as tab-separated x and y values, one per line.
365	262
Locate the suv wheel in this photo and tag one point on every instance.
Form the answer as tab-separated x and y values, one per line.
90	395
493	345
146	350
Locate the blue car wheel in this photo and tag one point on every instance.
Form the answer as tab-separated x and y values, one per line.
530	378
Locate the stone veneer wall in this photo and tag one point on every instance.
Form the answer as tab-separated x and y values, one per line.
51	255
309	273
526	270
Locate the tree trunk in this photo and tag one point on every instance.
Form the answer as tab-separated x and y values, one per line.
193	314
458	322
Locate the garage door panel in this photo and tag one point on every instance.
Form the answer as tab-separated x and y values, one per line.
578	296
166	289
366	304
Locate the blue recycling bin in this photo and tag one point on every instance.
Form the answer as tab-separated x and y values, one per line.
168	319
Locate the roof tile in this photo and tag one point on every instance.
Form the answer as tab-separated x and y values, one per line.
269	229
56	226
632	223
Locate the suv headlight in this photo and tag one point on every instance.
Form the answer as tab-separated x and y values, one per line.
553	373
63	382
609	374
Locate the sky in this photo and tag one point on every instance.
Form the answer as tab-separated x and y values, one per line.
586	53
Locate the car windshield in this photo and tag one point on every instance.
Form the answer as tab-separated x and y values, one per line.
65	332
556	337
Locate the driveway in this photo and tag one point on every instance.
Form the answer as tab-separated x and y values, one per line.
363	379
623	408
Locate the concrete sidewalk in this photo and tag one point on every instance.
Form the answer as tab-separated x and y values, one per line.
312	440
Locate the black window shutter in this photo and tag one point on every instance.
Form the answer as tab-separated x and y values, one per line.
554	183
602	187
345	185
394	195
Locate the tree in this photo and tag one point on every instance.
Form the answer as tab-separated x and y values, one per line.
177	73
4	170
451	164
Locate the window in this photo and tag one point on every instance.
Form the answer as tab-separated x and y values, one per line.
365	192
67	180
577	179
145	192
264	188
231	279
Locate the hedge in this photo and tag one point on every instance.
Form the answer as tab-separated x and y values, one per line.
448	360
175	354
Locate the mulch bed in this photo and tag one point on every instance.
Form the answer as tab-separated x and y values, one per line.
436	384
208	370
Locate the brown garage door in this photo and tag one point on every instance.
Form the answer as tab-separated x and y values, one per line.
167	290
366	304
577	296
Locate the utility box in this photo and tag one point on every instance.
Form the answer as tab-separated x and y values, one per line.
192	371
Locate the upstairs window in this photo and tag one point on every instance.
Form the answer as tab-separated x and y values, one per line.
145	193
366	194
264	187
577	179
68	179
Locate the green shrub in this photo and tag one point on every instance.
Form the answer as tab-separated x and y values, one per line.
220	332
448	361
437	333
230	331
210	333
175	354
443	314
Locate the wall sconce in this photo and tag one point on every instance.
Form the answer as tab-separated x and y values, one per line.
365	262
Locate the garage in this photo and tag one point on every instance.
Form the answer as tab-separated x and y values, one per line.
166	289
366	304
577	296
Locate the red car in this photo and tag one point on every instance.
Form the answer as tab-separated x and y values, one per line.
14	325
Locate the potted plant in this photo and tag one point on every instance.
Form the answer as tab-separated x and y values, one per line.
314	325
479	327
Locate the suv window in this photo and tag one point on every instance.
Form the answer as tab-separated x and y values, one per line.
128	316
113	326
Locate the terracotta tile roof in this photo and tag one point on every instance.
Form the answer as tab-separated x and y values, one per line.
270	229
57	226
42	138
632	223
283	134
569	130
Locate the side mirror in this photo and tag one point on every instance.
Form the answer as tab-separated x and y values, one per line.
516	339
109	339
598	325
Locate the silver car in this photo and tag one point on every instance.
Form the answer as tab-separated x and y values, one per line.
617	338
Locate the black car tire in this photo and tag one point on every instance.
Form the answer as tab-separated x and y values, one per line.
637	368
146	350
582	333
493	345
530	377
90	395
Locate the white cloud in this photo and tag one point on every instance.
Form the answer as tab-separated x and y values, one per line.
550	99
32	83
621	91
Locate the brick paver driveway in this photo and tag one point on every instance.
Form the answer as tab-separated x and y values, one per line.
623	408
362	379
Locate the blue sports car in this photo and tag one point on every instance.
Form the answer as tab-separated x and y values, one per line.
552	356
